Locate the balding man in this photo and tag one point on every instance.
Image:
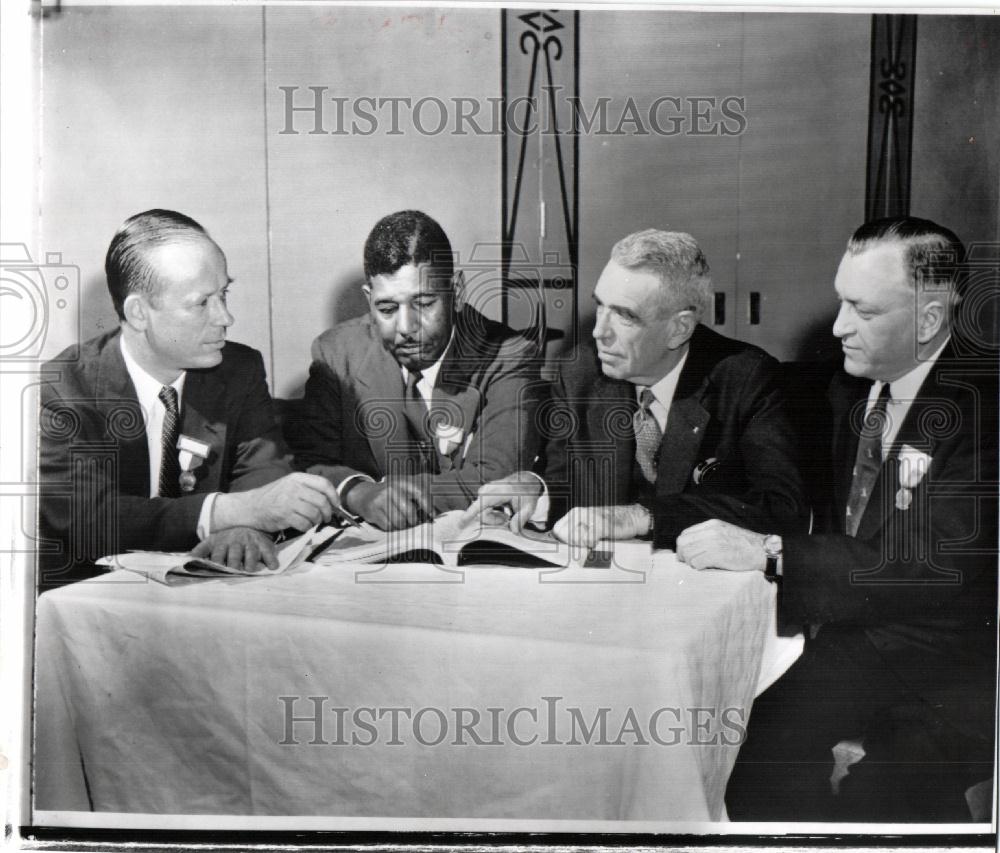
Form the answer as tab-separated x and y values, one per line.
889	715
162	435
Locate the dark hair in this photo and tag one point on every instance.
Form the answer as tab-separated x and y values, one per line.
407	237
126	265
932	253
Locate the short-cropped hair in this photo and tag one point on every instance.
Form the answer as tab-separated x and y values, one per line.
407	237
127	264
932	253
678	261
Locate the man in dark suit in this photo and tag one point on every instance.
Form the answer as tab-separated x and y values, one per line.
161	435
901	673
668	423
409	409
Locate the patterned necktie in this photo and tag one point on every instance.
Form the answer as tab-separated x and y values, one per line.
868	461
170	468
647	436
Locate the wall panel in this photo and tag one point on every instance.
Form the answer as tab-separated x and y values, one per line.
956	134
683	181
154	107
328	190
802	177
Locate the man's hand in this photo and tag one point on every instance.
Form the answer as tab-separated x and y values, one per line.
585	526
239	548
718	544
519	491
392	504
296	500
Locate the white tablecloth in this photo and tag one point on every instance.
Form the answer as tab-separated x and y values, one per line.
168	699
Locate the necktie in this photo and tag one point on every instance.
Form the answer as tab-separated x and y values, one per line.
170	468
416	418
868	461
647	436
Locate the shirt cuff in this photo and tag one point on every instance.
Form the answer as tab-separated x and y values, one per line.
204	529
540	516
346	482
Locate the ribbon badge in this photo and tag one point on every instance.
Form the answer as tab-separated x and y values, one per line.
191	454
913	467
448	437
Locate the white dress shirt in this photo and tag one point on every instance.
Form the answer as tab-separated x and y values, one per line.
663	393
428	375
663	396
901	394
147	389
425	388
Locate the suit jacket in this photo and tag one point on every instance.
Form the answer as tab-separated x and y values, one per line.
920	577
353	422
727	416
94	458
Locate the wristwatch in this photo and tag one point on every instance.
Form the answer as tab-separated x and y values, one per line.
772	549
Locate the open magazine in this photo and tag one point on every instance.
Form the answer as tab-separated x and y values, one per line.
157	565
447	541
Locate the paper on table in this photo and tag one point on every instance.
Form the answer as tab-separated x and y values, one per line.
446	537
156	565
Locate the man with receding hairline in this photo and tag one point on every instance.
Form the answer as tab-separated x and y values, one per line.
134	399
889	715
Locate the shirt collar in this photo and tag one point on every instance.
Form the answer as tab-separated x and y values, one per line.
429	374
907	386
663	390
147	388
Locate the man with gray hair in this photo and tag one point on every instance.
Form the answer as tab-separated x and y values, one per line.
667	423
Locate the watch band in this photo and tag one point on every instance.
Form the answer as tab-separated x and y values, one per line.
772	550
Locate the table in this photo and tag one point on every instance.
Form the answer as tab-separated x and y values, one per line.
201	697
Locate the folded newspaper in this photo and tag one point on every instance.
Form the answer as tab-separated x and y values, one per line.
157	565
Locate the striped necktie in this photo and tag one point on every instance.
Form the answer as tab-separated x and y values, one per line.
868	462
170	468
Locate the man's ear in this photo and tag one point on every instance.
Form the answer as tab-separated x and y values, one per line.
366	289
930	319
136	311
458	289
682	327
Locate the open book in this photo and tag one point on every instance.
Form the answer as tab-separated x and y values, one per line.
448	542
157	565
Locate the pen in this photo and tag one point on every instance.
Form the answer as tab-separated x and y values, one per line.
319	549
345	516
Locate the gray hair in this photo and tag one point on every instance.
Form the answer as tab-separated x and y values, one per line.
678	261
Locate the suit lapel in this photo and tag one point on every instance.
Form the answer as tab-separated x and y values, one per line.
914	431
458	406
381	409
687	418
203	419
682	439
118	402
